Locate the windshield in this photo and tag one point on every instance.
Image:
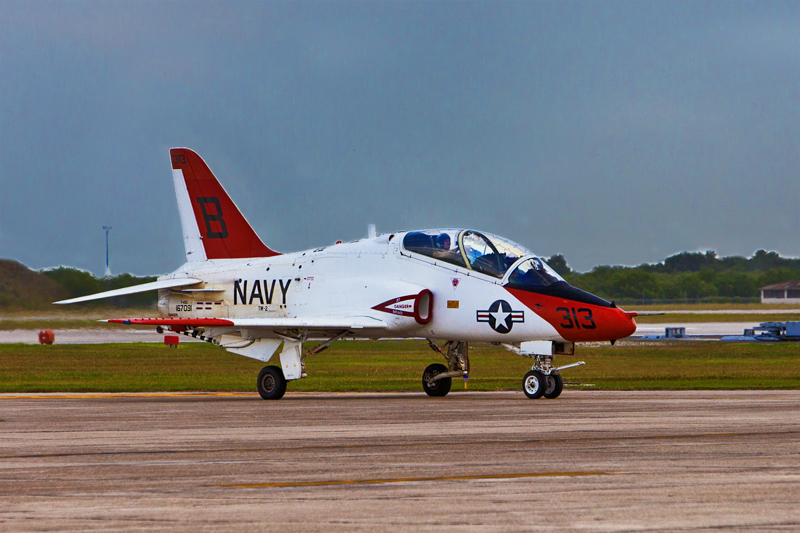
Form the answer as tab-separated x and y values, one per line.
534	273
482	252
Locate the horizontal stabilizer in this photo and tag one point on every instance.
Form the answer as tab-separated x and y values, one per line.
154	285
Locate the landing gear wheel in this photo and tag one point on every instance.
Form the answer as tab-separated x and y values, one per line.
554	384
436	388
271	383
533	384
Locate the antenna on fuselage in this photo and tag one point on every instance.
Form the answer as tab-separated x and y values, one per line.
371	232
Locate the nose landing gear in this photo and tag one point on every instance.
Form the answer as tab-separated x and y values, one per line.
551	383
544	380
554	384
534	384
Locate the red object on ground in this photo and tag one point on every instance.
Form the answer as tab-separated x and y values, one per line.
172	340
47	336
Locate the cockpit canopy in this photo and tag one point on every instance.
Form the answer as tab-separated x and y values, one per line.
495	256
482	252
534	273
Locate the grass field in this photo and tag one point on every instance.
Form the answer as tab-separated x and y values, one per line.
61	317
392	366
60	323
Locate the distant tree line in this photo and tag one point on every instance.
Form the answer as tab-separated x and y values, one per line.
687	276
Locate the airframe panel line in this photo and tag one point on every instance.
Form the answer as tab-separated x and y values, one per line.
403	445
411	480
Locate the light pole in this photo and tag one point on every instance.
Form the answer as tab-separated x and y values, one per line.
108	270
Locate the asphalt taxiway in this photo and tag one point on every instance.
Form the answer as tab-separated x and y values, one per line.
590	460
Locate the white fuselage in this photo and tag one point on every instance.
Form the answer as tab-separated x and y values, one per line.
350	280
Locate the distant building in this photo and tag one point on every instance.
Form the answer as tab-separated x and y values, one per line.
781	293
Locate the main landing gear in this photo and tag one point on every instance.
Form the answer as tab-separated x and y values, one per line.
272	379
271	383
437	378
436	387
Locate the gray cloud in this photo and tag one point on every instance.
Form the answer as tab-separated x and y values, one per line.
611	132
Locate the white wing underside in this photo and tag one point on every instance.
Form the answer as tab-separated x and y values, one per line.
311	323
155	285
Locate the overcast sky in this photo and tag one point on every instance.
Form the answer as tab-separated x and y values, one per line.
611	132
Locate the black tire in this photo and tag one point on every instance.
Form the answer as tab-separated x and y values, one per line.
554	384
436	388
271	383
533	384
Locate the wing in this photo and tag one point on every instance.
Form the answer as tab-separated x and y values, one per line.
154	285
322	323
260	337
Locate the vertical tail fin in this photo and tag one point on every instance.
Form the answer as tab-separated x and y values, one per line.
213	227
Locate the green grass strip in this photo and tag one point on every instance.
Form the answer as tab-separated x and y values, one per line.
391	366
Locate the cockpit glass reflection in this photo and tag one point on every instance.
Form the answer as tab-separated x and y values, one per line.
481	252
534	273
439	244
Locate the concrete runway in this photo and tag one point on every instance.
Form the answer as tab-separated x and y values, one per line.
599	461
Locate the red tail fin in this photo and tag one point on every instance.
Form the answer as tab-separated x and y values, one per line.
223	231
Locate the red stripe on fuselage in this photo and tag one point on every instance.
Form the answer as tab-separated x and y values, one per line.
578	321
195	322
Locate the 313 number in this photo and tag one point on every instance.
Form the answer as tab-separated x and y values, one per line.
581	318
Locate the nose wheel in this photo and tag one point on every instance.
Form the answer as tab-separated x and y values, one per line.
554	384
544	379
534	384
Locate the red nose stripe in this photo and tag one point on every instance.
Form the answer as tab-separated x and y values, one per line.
578	321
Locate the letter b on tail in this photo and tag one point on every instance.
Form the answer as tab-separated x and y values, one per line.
213	227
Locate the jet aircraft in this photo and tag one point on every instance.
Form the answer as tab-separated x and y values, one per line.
448	286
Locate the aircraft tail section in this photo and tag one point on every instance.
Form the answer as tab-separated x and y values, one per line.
213	227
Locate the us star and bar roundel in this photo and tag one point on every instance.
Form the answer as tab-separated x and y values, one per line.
500	316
